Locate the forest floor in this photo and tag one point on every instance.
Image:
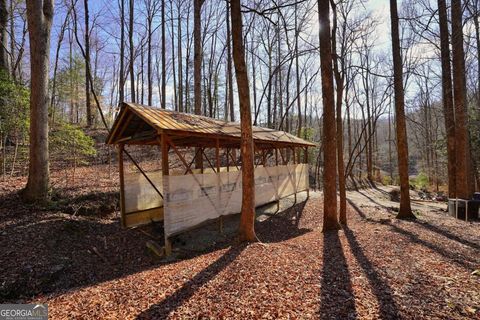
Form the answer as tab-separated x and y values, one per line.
74	256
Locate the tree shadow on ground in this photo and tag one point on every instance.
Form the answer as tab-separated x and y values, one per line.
162	309
283	225
357	209
382	291
447	234
452	255
376	202
50	252
337	299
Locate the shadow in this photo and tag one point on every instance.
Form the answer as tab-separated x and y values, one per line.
448	254
337	299
283	225
380	288
375	202
381	190
48	252
447	234
162	309
451	255
357	209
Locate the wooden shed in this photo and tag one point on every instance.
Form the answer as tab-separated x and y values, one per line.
186	198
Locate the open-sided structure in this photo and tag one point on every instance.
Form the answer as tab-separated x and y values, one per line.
186	197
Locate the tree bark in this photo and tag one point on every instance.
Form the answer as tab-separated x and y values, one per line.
197	67
121	72
197	55
330	218
40	16
88	105
3	36
229	67
164	64
340	81
402	144
447	96
132	58
459	96
180	62
247	219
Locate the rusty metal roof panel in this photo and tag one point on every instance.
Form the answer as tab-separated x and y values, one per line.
162	119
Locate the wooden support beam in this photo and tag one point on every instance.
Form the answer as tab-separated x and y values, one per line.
122	183
217	154
165	172
179	155
189	168
208	160
233	159
308	175
228	166
143	173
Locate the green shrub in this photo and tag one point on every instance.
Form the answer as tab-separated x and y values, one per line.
71	143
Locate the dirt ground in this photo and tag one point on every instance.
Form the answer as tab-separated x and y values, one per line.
85	266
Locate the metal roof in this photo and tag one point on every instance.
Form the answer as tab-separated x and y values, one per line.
128	125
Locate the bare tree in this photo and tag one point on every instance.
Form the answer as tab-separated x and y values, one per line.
459	90
330	217
447	97
132	57
87	62
247	219
40	17
402	144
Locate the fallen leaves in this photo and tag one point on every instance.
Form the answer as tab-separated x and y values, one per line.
378	267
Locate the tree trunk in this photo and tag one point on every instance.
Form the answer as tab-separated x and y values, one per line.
3	36
88	105
130	40
197	67
180	66
247	219
330	218
229	67
164	64
40	16
340	81
121	79
461	125
402	145
447	96
197	55
149	56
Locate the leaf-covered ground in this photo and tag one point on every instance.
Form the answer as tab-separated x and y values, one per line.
85	266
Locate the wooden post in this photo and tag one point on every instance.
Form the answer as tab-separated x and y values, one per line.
308	174
122	183
165	172
228	162
276	192
217	156
295	173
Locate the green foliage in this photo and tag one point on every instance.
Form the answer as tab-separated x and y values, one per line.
14	107
71	143
307	133
420	181
386	180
